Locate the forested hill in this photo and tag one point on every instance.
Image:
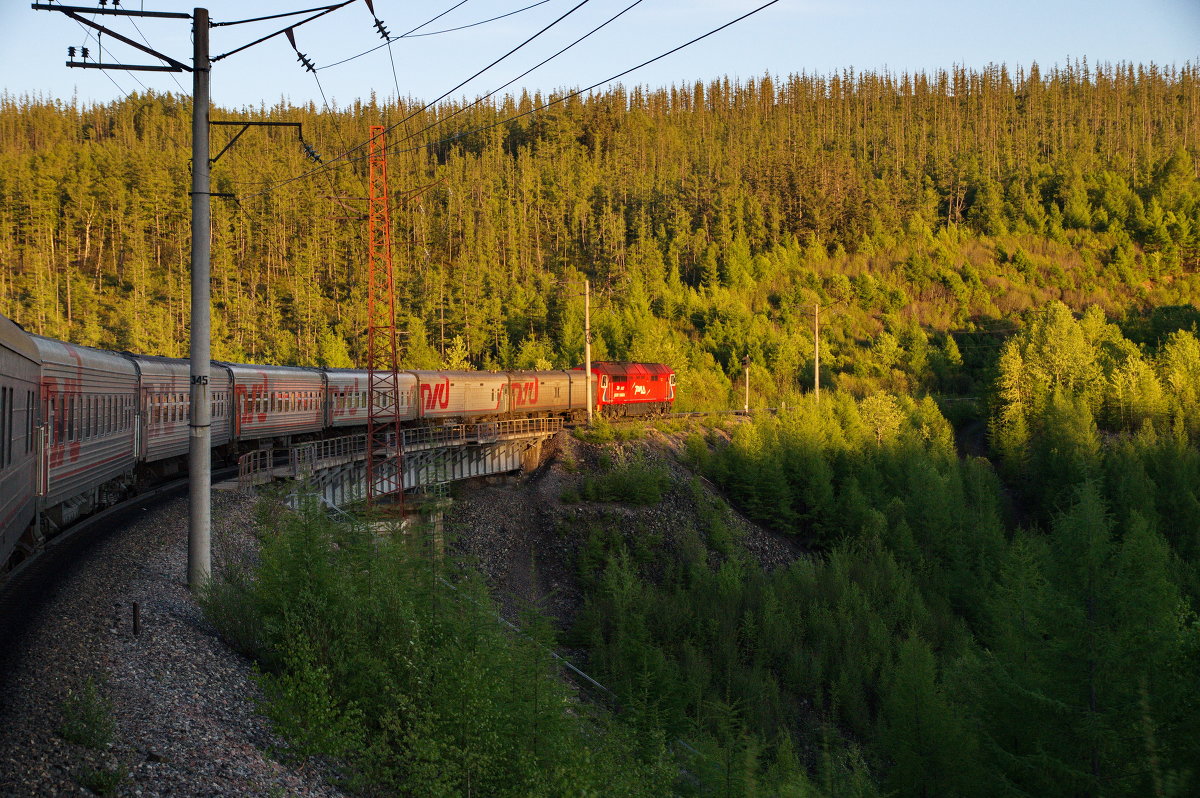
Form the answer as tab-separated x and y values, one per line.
710	218
1015	253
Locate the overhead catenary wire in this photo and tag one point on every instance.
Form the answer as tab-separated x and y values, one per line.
276	16
342	159
99	57
538	65
147	41
282	31
447	93
412	34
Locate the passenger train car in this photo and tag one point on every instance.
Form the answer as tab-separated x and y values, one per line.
81	428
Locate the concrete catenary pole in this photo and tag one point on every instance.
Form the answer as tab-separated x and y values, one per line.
587	345
199	452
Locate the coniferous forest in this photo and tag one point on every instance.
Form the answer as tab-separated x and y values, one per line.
998	491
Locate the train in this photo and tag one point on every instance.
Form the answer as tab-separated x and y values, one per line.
82	428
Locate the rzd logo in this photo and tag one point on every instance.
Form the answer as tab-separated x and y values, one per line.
640	390
525	393
436	396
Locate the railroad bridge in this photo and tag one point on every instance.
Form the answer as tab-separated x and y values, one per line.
432	456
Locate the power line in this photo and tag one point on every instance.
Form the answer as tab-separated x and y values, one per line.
99	57
538	65
147	41
260	40
342	160
276	16
413	35
342	156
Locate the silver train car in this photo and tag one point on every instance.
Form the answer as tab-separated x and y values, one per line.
82	428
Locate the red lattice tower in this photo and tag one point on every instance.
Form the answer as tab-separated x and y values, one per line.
385	455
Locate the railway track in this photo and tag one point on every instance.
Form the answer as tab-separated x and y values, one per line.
25	588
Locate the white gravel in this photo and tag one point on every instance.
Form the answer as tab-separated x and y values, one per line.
184	704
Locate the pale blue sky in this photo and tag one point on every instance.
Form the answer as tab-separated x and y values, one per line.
790	36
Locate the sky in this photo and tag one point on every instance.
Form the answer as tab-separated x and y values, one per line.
790	36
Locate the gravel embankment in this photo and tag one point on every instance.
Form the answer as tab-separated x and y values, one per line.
525	539
184	704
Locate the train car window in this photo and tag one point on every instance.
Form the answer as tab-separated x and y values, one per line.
72	409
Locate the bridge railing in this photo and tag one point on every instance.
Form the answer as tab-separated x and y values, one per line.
255	468
305	457
479	431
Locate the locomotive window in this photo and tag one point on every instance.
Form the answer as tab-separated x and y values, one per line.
620	379
653	378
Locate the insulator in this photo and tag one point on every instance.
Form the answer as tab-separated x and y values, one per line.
103	3
303	59
116	3
71	52
382	30
84	52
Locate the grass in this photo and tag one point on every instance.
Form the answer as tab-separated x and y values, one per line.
604	431
102	781
87	717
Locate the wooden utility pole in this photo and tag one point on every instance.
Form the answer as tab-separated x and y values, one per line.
587	345
746	365
817	351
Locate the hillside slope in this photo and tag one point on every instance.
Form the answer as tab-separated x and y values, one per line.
527	536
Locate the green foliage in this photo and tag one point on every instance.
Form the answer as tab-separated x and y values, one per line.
757	211
965	654
87	717
630	480
368	655
103	781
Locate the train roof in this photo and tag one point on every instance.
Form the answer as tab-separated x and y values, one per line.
14	338
620	368
71	355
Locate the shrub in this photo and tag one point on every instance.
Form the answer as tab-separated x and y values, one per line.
87	717
103	781
632	482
